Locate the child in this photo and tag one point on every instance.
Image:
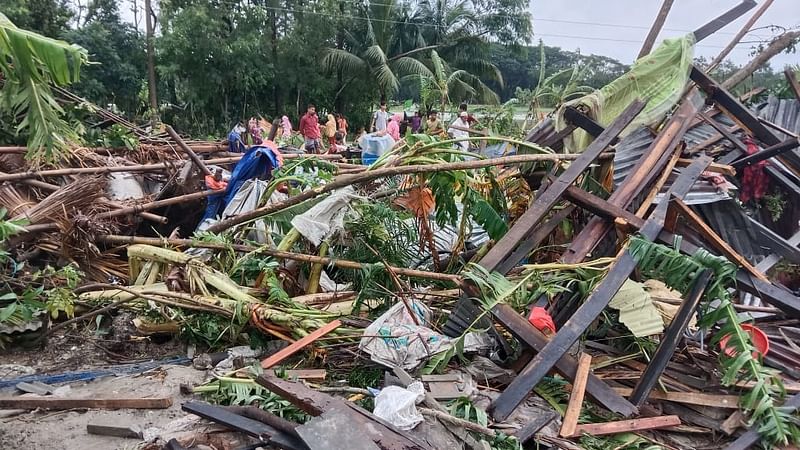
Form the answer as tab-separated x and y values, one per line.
338	145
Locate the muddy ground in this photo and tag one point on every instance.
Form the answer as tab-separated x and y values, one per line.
80	351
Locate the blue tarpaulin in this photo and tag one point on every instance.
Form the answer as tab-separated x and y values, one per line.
258	162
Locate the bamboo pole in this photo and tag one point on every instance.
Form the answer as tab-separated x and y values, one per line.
313	259
102	170
370	175
745	29
656	28
192	155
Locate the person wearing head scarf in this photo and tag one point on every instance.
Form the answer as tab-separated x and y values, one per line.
393	128
286	127
330	130
462	123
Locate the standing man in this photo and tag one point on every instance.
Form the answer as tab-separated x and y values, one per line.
309	129
380	118
471	120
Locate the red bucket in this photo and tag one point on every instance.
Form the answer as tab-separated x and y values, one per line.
758	337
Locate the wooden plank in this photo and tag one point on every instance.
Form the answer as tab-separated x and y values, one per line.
530	429
627	426
544	202
769	152
298	345
713	238
791	78
576	397
655	29
776	295
540	233
132	432
307	374
586	123
260	430
731	106
541	364
726	18
723	169
667	346
689	398
58	403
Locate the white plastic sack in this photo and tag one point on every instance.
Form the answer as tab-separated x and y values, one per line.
398	406
326	217
246	200
407	344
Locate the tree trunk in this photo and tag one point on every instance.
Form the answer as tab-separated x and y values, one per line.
151	61
776	46
738	36
276	93
656	28
339	100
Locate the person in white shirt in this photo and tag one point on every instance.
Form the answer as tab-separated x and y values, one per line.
460	122
380	119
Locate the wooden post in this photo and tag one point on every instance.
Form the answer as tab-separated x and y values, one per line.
656	28
745	28
668	344
192	155
576	397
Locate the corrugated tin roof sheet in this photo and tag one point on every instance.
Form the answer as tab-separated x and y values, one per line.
782	112
633	146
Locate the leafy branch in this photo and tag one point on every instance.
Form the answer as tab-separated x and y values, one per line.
775	423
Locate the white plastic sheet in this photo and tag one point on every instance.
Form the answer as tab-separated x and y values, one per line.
398	406
326	217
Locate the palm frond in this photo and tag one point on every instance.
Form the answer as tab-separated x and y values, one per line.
337	59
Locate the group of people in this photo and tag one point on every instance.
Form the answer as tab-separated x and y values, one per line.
332	135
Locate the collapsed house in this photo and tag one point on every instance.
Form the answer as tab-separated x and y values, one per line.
491	336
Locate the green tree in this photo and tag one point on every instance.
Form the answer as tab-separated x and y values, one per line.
30	63
118	49
46	17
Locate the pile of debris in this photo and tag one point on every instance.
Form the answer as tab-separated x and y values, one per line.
613	295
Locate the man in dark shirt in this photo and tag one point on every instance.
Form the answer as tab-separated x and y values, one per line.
309	129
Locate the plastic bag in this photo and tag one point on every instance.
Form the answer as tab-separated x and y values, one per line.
398	406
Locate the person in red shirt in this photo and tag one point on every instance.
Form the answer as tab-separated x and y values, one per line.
471	120
309	129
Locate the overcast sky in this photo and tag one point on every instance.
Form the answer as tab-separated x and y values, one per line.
617	28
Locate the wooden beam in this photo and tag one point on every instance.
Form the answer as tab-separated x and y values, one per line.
769	152
627	426
661	17
552	195
539	234
731	106
59	403
688	398
586	123
188	150
723	169
530	429
726	18
541	364
668	344
738	37
576	397
791	78
713	238
299	344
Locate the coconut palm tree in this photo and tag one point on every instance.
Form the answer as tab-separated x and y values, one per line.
29	64
447	85
386	50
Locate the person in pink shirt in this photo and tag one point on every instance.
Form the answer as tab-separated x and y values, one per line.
393	128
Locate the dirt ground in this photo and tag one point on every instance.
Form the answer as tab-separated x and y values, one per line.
80	351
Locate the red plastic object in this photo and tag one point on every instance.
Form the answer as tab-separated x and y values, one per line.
541	319
759	338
